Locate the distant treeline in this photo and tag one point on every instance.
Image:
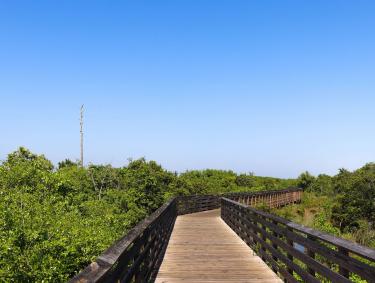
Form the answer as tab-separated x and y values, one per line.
54	221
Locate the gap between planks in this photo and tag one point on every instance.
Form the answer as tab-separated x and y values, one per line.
204	249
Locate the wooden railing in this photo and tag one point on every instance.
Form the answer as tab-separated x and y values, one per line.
273	199
276	198
295	252
197	203
135	257
298	253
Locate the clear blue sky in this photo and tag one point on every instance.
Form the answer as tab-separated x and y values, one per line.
273	87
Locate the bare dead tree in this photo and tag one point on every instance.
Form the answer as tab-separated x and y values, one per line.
103	177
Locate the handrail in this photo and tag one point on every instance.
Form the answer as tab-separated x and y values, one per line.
136	256
197	203
293	251
296	251
274	198
291	189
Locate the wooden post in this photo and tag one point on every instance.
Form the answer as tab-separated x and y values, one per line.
343	271
274	245
271	200
264	238
310	254
290	257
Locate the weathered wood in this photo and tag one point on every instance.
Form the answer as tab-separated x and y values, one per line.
137	255
333	256
197	203
204	249
277	233
342	270
310	254
267	247
293	251
274	198
129	258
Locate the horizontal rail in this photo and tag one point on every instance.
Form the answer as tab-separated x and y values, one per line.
273	199
296	252
197	203
136	256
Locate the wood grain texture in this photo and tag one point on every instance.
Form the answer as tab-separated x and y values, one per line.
203	249
275	236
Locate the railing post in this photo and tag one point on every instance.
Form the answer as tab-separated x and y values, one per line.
137	273
311	254
274	245
253	220
343	271
277	199
264	238
271	200
290	243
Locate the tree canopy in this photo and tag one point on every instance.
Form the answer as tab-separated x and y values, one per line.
56	220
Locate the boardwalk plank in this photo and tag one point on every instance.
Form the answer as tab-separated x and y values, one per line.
203	249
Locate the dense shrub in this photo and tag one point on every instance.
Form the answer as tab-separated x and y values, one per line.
54	221
343	205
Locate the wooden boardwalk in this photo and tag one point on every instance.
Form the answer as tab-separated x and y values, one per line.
204	249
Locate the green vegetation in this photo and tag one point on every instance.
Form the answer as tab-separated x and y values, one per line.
54	221
343	205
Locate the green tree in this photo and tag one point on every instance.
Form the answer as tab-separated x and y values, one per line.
322	185
245	180
305	180
25	169
145	184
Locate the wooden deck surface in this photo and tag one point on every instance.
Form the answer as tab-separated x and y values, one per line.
203	249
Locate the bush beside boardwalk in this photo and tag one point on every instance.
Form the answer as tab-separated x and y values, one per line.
54	221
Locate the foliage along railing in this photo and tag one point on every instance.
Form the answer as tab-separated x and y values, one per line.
296	252
273	199
137	256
